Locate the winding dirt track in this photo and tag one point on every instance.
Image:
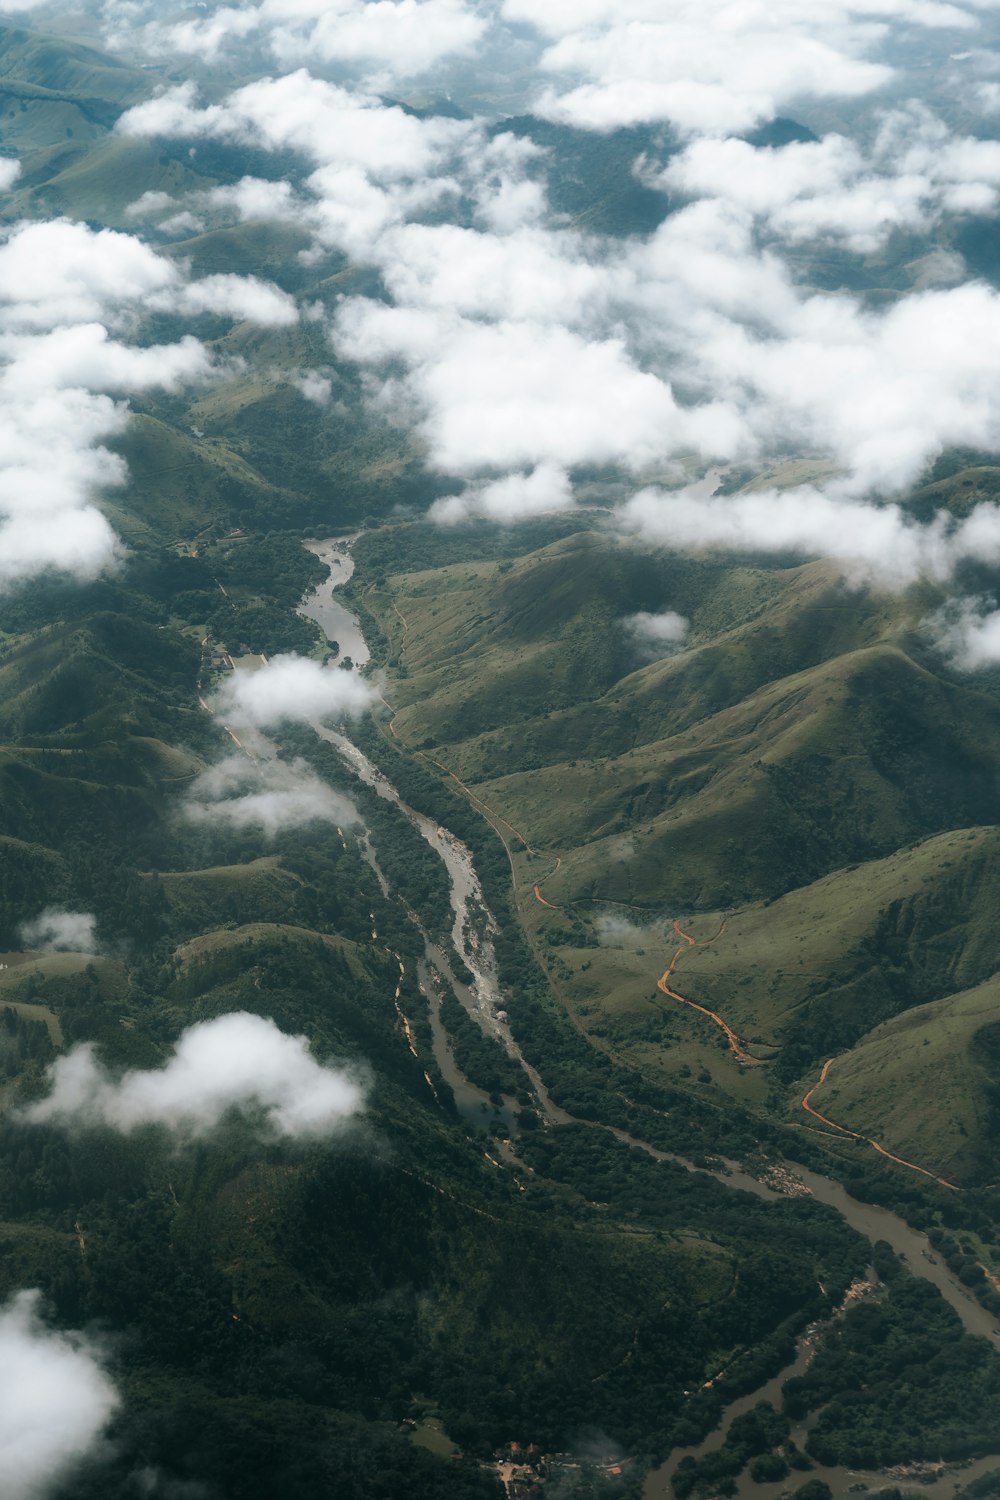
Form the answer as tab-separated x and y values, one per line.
541	898
857	1135
735	1045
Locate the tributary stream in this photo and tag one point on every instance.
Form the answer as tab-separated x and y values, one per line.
472	936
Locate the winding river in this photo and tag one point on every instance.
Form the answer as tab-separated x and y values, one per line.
472	936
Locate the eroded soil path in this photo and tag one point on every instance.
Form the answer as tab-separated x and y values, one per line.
736	1047
857	1135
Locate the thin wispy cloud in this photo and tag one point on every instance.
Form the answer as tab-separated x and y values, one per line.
57	929
267	794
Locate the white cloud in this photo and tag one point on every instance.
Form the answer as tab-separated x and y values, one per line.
527	274
243	297
514	395
518	351
915	172
55	1399
56	272
400	38
881	391
292	688
390	38
56	929
85	358
327	123
254	198
150	205
507	197
968	633
272	795
69	298
313	385
10	171
183	223
708	66
234	1062
873	542
657	634
514	498
374	163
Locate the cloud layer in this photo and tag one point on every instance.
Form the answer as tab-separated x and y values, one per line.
392	38
235	1062
708	66
55	1399
522	351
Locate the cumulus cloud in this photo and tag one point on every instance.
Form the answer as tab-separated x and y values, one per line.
375	164
873	542
56	929
235	1062
10	171
56	273
312	384
706	66
70	297
393	38
880	391
326	122
916	171
967	632
657	634
244	297
513	498
292	689
512	395
519	349
150	205
272	795
55	1399
253	198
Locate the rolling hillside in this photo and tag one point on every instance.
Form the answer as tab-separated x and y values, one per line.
805	769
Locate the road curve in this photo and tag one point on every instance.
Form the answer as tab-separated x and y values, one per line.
858	1136
735	1045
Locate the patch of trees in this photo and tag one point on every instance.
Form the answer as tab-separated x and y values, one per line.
899	1379
751	1439
481	1058
266	628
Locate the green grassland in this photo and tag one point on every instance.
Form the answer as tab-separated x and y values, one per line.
926	1081
806	766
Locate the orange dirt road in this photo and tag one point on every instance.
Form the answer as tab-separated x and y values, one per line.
541	898
857	1135
663	984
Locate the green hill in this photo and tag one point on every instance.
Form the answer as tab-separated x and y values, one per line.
927	1084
